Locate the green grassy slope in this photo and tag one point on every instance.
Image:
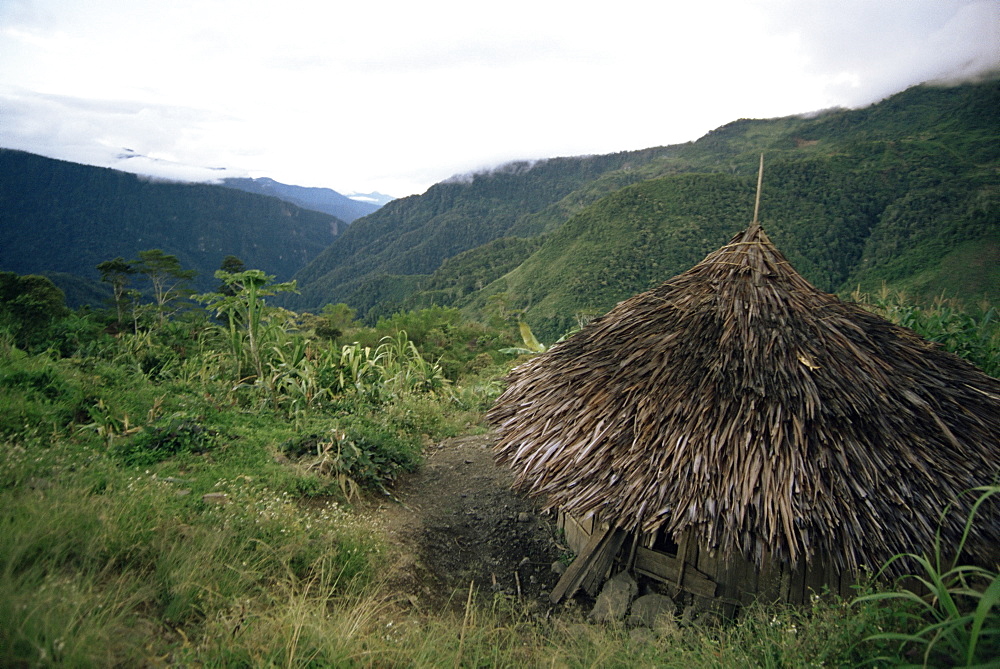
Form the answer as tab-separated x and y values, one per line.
840	220
414	235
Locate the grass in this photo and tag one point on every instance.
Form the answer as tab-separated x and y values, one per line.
951	616
120	574
156	514
109	565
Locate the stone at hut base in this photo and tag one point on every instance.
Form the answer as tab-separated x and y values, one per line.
613	602
647	610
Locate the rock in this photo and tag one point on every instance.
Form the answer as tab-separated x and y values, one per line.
613	602
558	568
647	610
667	628
523	517
575	630
215	498
641	636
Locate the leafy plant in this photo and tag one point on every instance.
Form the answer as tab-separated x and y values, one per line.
957	621
246	316
174	436
355	453
970	334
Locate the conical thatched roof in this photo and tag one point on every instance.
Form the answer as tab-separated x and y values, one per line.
738	401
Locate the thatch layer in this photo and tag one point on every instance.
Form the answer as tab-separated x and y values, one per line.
740	402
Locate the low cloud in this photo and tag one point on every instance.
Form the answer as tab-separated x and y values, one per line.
122	135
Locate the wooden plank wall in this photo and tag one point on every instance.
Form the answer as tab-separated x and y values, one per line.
733	581
577	532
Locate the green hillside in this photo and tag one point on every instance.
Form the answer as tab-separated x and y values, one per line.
62	219
840	221
414	235
904	192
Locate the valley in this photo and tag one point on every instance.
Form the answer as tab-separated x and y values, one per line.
289	462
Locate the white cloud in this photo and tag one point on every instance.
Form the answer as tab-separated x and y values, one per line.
394	96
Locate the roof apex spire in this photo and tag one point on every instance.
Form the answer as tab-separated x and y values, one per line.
755	223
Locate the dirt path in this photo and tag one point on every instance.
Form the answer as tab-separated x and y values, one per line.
458	521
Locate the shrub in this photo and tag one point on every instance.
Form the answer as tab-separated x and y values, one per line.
37	395
157	443
356	452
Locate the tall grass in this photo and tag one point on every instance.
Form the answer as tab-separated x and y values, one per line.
951	617
132	571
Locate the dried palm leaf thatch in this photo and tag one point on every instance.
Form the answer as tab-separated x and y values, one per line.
741	403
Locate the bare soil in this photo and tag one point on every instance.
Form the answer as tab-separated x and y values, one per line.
456	521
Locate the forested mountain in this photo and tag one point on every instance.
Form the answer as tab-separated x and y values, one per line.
412	236
905	191
60	219
325	200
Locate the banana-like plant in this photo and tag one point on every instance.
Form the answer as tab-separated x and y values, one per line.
242	304
393	367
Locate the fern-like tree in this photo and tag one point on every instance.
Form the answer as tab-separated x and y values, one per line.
169	281
117	272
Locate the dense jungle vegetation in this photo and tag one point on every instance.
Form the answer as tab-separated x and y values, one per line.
178	476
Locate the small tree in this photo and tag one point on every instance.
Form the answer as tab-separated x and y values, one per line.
28	305
232	265
117	272
166	276
334	320
244	311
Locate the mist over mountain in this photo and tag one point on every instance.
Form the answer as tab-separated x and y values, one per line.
904	191
376	198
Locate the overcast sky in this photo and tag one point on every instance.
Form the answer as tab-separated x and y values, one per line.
396	95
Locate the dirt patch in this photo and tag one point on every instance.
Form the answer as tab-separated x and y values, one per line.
458	521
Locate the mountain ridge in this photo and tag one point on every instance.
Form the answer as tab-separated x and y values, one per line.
62	219
853	180
324	200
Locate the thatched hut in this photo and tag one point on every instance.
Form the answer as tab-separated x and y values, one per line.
738	433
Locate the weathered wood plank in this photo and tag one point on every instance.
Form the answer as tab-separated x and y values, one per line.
577	535
769	580
668	569
748	582
600	567
815	578
797	584
725	576
607	539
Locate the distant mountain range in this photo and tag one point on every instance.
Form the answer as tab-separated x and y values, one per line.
61	219
318	199
906	192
